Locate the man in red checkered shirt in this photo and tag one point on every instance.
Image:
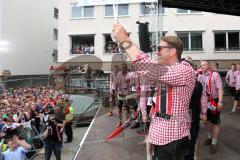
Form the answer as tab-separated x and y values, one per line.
170	127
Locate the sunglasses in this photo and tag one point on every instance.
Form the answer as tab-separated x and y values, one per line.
159	48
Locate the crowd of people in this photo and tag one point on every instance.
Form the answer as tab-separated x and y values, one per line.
83	49
172	96
45	109
112	47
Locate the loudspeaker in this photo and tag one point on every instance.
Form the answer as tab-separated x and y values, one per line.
144	37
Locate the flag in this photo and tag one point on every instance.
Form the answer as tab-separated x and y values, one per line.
119	129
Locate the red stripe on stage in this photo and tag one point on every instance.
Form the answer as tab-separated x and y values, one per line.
169	100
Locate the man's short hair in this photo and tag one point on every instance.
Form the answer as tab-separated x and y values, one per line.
175	42
116	66
205	61
233	64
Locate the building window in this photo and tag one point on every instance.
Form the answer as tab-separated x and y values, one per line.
227	41
220	41
193	11
121	8
55	55
55	13
150	9
82	11
82	44
55	34
108	10
192	41
233	40
185	11
111	47
88	11
154	38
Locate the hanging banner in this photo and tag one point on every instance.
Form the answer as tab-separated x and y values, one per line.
105	2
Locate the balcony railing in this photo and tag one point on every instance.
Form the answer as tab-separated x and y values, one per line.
81	51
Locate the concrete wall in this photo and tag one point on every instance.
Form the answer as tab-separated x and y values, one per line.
208	23
0	20
172	22
28	27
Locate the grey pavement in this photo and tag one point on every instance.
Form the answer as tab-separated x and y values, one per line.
229	138
69	149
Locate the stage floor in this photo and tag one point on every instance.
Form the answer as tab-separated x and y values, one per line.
126	146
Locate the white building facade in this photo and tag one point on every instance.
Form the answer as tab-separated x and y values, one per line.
33	35
27	39
206	36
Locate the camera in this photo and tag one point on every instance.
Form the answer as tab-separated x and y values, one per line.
48	115
50	121
49	109
8	133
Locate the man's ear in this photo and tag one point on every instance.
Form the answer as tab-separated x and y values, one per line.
173	52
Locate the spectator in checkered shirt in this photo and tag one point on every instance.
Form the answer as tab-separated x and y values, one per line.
170	127
212	86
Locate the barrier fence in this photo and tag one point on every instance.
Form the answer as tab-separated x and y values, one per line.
24	82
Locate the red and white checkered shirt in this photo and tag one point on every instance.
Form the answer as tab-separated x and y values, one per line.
181	77
231	78
144	94
113	81
216	83
238	80
123	85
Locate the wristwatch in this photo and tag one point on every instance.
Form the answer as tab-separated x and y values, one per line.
126	44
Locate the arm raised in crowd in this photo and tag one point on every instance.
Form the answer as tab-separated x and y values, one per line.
22	143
